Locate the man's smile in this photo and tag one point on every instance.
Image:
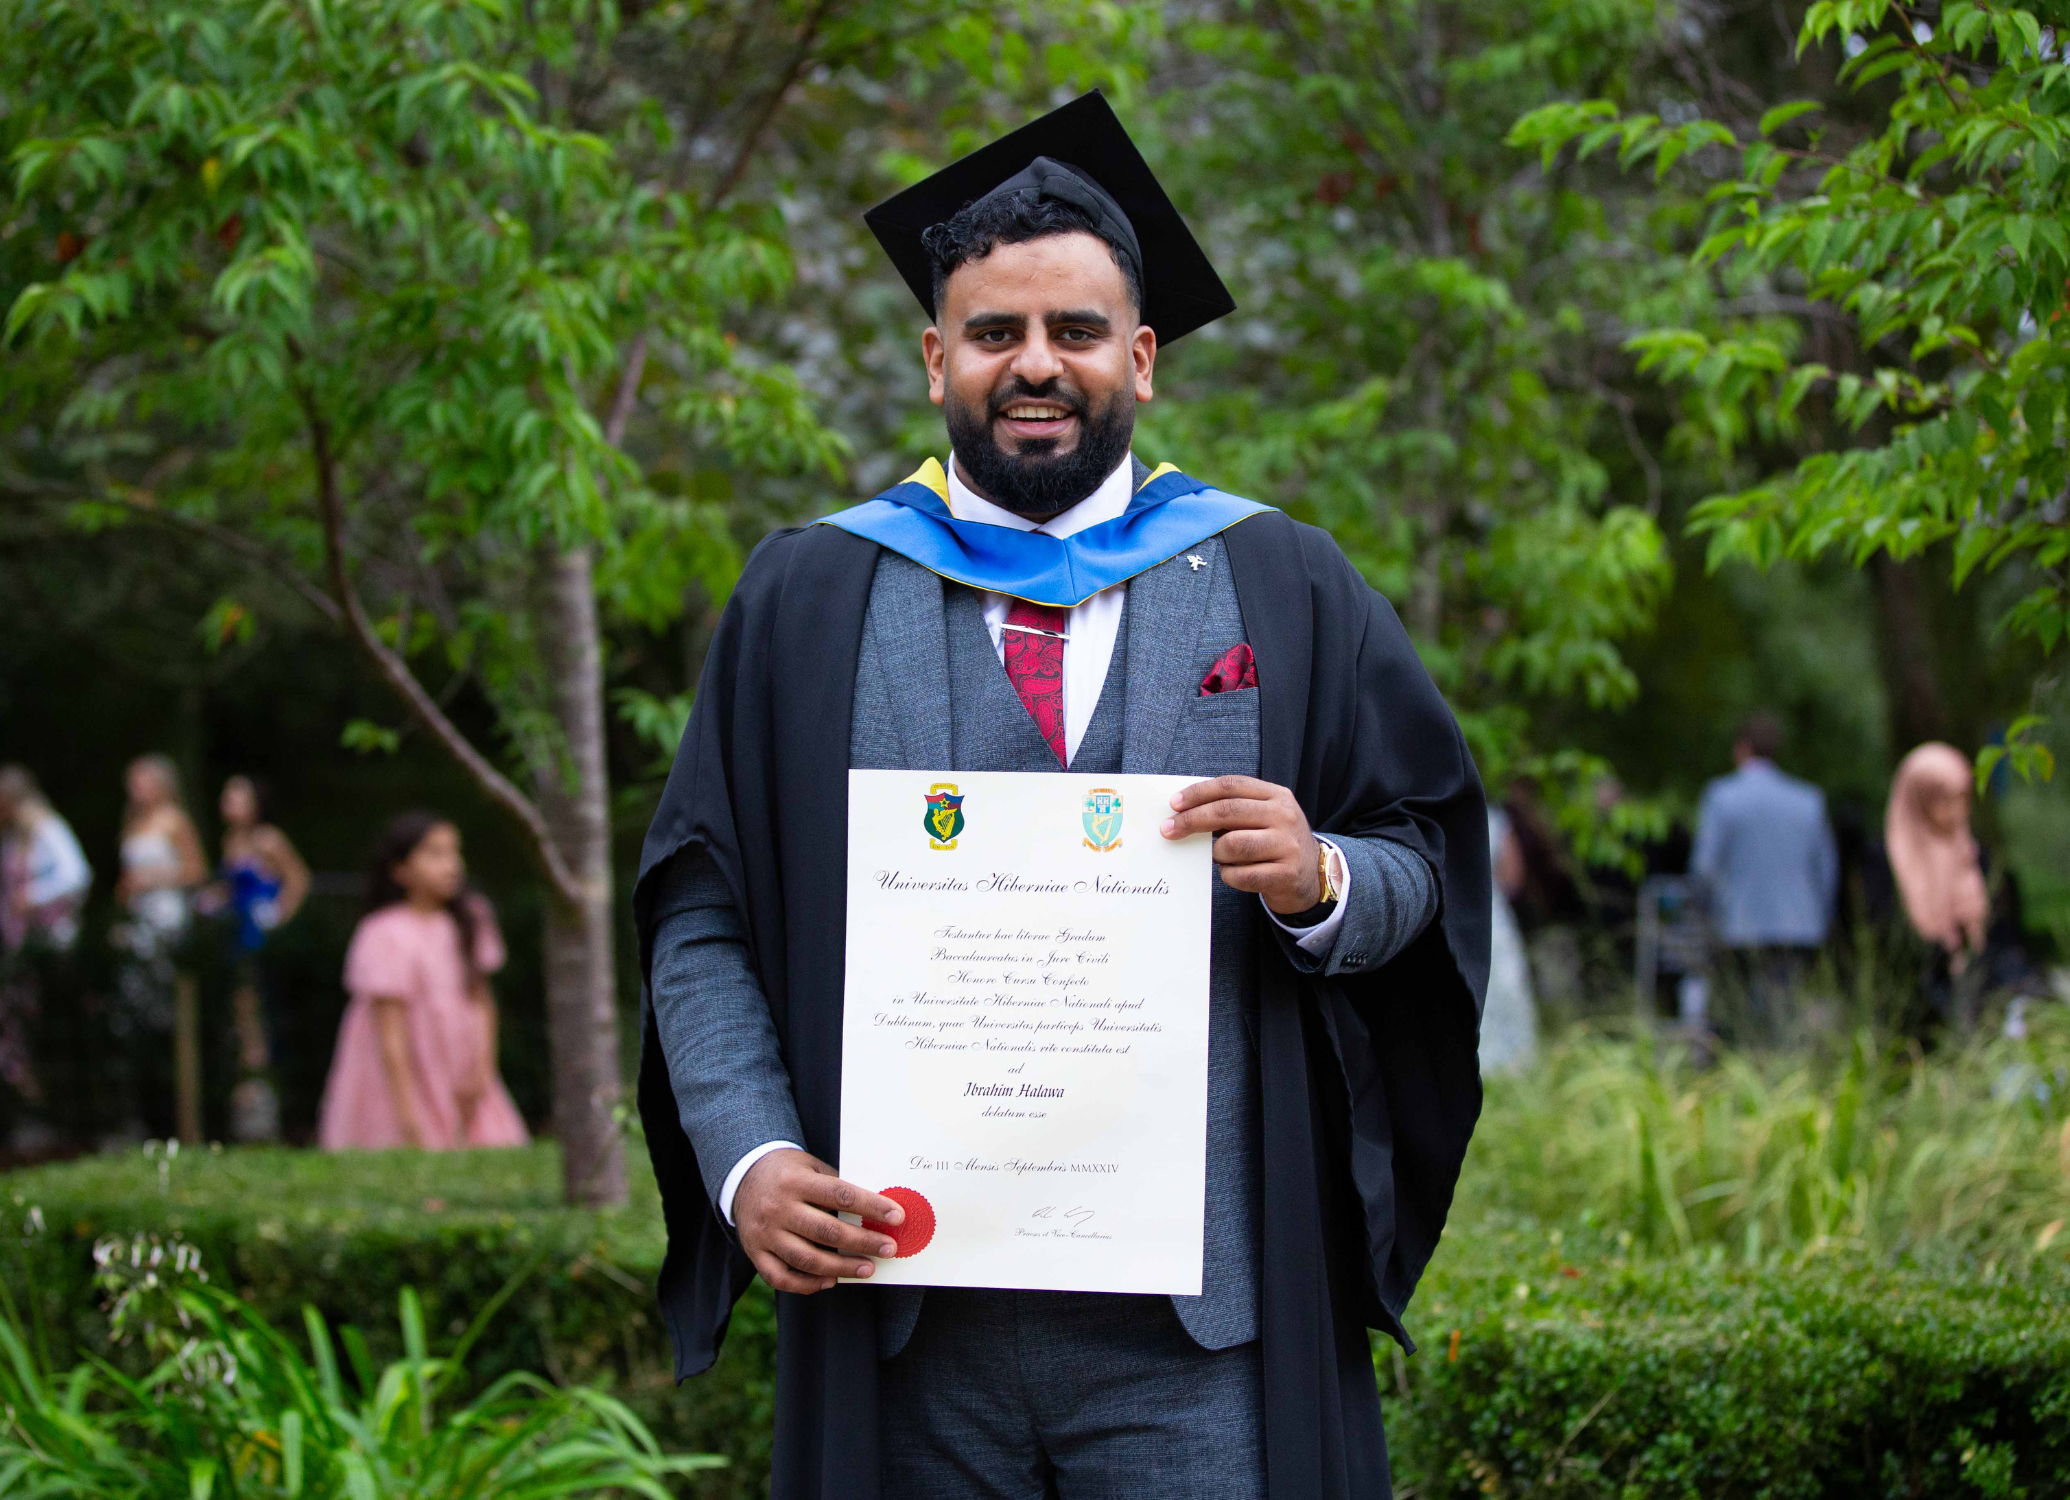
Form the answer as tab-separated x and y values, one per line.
1037	419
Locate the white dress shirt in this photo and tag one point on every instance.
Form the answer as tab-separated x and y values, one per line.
1089	628
1089	632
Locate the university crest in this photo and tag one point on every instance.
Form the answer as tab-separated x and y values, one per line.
1102	819
943	819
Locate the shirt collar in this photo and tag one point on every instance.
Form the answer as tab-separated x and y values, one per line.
1103	504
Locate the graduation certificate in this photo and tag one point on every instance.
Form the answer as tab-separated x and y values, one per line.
1025	1038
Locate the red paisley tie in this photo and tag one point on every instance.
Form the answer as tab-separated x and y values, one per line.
1034	641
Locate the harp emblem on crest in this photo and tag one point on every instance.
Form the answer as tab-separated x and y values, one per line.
1102	819
943	819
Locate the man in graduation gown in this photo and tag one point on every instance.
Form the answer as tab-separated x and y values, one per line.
1046	602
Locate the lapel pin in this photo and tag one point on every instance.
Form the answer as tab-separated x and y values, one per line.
1196	561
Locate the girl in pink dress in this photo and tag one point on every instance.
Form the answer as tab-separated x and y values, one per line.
416	1058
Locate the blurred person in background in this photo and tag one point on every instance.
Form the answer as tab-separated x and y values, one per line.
1939	873
1509	1019
44	878
45	871
1765	849
162	865
416	1058
260	884
161	853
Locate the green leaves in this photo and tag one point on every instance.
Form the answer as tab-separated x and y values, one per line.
1420	361
2030	759
369	738
1942	240
1551	127
358	216
233	1403
659	722
1782	114
1591	125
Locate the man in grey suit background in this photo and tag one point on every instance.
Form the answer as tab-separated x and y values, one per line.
1046	602
1764	848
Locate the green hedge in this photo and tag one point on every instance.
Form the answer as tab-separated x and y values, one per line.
1544	1370
1597	1377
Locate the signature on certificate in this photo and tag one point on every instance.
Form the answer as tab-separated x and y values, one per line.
1077	1218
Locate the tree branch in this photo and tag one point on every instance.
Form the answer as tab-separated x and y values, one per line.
628	390
1622	405
753	138
396	672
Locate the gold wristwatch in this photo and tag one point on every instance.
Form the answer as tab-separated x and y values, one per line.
1324	851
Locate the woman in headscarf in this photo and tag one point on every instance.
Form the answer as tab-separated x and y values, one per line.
1939	874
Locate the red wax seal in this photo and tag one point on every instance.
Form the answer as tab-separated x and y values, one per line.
913	1235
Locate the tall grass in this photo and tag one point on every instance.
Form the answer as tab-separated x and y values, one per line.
1959	1158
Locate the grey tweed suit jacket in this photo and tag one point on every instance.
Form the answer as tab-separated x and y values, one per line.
930	693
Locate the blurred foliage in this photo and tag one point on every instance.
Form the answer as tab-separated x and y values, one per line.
1960	1160
1940	239
1403	369
254	240
2035	827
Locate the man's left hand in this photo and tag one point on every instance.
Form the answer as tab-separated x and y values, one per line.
1264	842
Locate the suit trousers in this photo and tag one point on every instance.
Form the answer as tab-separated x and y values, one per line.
1006	1395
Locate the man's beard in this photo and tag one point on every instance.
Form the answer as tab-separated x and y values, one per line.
1039	481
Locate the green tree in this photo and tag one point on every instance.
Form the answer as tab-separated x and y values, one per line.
1940	239
761	110
318	283
1404	369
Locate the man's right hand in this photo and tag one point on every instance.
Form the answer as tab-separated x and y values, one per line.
785	1212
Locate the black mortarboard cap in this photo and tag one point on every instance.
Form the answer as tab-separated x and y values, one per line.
1081	155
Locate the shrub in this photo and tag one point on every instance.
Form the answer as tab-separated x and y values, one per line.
1542	1375
231	1403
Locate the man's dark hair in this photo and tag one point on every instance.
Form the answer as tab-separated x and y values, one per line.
979	228
1762	734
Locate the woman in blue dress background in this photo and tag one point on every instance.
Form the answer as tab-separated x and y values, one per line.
261	883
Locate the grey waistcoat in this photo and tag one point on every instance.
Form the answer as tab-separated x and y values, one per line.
930	693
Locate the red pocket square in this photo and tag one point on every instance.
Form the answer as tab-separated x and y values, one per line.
1234	669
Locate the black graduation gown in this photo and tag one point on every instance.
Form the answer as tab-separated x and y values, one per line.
1369	1085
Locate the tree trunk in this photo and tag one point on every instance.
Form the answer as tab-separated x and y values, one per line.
1917	711
581	976
568	830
